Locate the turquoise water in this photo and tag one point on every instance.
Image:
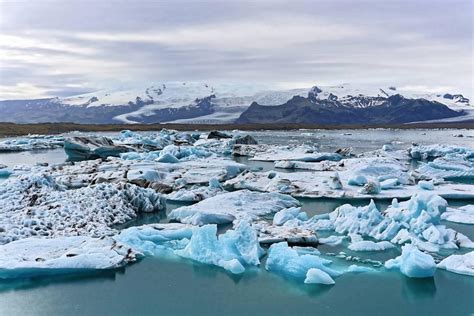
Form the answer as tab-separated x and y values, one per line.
174	286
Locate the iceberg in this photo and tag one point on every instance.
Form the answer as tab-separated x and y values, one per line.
424	152
413	263
285	215
225	208
463	215
34	256
462	264
416	221
36	205
152	238
231	251
32	142
92	147
285	260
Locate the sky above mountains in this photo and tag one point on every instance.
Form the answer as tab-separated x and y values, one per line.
60	48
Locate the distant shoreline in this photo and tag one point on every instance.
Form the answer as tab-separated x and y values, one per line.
13	129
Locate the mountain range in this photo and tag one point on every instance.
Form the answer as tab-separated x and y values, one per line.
204	103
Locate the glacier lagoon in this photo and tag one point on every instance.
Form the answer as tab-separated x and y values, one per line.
179	286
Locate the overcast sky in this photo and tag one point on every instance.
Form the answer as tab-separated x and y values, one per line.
59	48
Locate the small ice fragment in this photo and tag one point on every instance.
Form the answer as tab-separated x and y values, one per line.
317	276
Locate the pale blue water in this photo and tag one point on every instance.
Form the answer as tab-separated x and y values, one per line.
157	286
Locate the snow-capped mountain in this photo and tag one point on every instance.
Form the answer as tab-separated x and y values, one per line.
184	102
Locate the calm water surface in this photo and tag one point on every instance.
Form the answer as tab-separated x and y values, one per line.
174	286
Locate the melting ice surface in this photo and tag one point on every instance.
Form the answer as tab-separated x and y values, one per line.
360	278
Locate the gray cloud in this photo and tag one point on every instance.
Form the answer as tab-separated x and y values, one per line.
52	47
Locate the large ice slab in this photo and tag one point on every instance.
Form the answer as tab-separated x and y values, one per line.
299	153
36	205
462	264
413	263
463	214
33	256
423	152
319	184
225	208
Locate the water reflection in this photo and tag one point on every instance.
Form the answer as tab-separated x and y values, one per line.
415	289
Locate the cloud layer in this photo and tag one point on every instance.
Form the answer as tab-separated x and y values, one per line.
58	48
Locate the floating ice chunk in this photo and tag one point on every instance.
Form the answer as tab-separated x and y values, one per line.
368	245
32	142
416	221
270	234
224	208
449	167
358	180
332	240
426	185
371	188
335	182
150	239
389	184
285	215
32	256
413	263
167	158
184	152
462	264
231	251
285	260
317	276
300	153
463	215
36	205
436	150
93	147
194	194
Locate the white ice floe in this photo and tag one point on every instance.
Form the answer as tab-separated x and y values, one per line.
225	208
36	205
293	235
463	215
33	256
32	142
462	264
449	167
369	245
413	263
423	152
299	153
318	184
286	261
